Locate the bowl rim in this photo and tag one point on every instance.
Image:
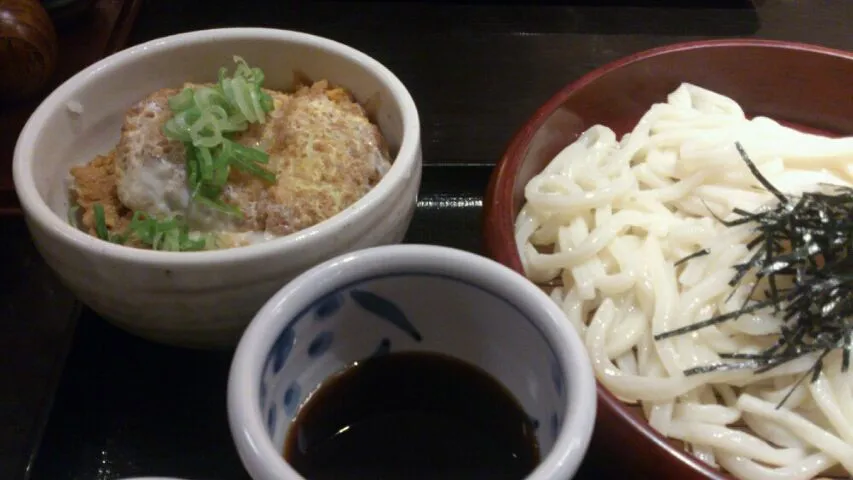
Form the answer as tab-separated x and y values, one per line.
498	227
256	450
37	210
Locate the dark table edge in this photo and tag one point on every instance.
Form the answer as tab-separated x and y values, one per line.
126	19
10	207
46	408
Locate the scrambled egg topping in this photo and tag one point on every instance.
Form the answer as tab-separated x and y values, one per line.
325	152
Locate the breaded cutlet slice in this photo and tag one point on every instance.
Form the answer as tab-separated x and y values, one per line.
324	150
94	183
326	154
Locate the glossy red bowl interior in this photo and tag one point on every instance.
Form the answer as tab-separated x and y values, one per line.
805	86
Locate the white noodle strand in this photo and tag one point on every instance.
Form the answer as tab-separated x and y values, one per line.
612	217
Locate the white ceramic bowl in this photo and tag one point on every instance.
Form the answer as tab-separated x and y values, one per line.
202	298
410	298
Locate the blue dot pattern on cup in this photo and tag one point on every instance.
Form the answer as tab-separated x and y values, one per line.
557	378
324	308
384	348
533	422
555	424
386	310
271	418
281	349
291	399
328	305
320	344
313	343
277	357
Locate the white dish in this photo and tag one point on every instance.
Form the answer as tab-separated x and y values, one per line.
410	298
202	299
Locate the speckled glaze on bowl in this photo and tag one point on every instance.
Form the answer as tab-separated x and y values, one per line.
202	299
804	86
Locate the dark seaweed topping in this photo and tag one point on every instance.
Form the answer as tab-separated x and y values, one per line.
803	248
700	253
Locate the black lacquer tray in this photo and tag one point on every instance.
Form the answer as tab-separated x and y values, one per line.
82	400
128	407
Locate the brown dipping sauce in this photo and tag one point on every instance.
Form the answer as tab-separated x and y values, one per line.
413	416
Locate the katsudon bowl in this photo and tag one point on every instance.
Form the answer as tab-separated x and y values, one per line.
204	298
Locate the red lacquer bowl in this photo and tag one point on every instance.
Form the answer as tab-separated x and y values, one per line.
805	86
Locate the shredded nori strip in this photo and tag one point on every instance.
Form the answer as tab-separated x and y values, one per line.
693	255
805	241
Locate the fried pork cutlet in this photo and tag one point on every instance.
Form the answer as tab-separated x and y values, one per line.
323	149
94	183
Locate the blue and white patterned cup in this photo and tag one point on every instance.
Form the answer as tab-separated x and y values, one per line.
410	298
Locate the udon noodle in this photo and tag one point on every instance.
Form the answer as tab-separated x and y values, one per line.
607	221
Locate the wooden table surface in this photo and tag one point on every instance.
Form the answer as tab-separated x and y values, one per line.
127	407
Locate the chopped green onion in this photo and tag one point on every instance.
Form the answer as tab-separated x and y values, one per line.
101	226
178	127
206	132
255	97
257	75
202	118
250	154
206	97
253	169
171	234
251	75
101	222
222	165
240	93
244	91
219	206
266	102
181	101
205	160
193	174
172	130
73	212
248	160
